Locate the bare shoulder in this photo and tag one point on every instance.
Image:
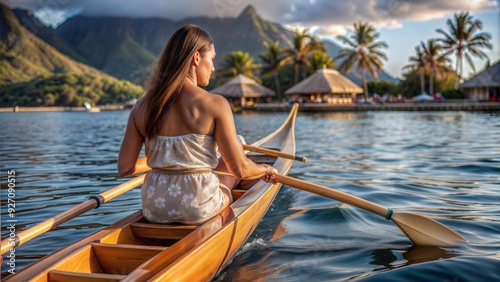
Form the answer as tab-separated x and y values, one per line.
208	103
138	107
217	104
138	114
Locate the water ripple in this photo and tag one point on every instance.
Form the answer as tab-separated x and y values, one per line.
442	165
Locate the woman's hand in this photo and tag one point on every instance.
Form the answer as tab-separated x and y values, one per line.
269	175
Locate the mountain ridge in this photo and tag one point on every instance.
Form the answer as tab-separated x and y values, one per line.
24	55
34	73
127	47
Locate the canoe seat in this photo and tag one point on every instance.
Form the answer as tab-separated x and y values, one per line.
162	231
237	193
64	276
108	262
123	258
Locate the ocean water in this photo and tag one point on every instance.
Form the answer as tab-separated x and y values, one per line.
445	165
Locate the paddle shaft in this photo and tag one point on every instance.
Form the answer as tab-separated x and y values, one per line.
419	229
331	193
273	153
30	233
326	192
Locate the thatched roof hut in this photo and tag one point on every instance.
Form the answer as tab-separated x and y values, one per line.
244	88
326	84
485	86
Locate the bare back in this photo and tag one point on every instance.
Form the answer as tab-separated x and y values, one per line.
192	112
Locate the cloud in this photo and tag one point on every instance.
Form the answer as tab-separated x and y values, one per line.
326	16
329	29
130	8
322	16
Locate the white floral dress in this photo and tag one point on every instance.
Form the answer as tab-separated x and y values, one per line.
189	198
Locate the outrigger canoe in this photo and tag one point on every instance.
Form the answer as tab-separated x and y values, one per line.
133	249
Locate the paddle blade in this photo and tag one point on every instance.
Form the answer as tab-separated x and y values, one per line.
424	231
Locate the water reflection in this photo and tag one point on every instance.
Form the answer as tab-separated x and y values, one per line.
419	254
335	116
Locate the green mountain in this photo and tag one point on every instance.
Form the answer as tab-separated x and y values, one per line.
127	47
34	73
246	32
46	33
118	46
24	55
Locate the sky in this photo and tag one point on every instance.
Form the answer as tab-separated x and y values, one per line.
403	24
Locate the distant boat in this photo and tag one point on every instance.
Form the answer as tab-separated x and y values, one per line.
90	109
423	97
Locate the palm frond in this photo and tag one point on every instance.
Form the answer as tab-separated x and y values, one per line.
463	38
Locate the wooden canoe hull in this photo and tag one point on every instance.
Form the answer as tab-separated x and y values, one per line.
207	259
134	250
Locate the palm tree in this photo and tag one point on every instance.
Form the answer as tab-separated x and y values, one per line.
464	40
238	62
419	63
435	60
363	51
273	61
302	45
319	60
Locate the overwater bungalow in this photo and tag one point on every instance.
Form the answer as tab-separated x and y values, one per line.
325	86
243	90
485	86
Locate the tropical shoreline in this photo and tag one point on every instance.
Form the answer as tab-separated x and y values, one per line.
61	109
428	106
309	107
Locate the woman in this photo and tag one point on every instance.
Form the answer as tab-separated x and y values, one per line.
181	126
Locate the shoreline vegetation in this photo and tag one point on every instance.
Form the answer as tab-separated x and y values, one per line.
62	109
307	107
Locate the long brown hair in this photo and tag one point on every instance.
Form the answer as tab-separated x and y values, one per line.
171	70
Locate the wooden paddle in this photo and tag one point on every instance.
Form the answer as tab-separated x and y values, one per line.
273	153
30	233
420	229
